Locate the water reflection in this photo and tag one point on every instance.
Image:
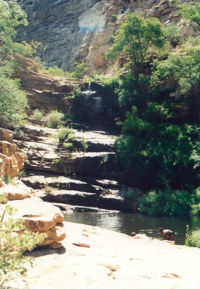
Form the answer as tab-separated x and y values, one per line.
127	223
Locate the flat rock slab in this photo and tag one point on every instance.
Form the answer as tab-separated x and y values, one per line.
112	260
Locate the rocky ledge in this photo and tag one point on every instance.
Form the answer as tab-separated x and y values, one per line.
98	258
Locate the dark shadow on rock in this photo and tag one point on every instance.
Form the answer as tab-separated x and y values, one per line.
43	251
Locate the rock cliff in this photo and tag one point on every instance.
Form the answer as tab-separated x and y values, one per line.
80	30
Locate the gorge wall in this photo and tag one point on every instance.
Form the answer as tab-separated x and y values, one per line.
80	30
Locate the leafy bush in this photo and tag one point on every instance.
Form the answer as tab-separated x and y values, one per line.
80	70
182	68
55	70
37	115
168	202
64	132
173	33
14	241
190	11
12	99
54	119
193	239
135	38
157	151
68	146
12	102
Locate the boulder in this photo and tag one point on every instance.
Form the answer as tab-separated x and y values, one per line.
11	160
19	191
41	217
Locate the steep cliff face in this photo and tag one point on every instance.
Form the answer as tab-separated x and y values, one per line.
78	30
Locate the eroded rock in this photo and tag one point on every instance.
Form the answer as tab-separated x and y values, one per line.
41	217
11	160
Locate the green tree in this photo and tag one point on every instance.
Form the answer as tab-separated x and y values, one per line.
184	69
190	11
12	17
136	38
12	99
153	149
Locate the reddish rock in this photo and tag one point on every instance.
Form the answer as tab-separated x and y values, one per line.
11	160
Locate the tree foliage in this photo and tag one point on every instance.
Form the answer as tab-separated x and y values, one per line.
136	38
190	11
153	149
12	99
184	69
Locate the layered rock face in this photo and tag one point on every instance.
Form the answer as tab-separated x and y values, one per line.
11	160
44	92
77	30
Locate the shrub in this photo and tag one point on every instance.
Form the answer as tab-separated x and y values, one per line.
37	115
173	33
193	239
54	119
167	202
64	132
135	38
57	71
157	151
12	102
14	241
182	68
80	70
68	146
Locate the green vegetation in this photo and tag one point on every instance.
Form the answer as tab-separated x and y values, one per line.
136	38
153	149
37	115
158	152
54	119
191	11
12	99
184	69
167	202
64	132
79	71
15	241
193	239
55	70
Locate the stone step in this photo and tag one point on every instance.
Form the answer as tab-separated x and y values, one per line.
93	147
91	164
71	197
111	200
58	182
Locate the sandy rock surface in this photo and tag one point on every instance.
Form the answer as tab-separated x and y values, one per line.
41	217
96	258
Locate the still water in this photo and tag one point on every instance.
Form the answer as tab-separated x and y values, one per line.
127	223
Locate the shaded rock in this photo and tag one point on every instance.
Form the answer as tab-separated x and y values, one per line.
72	197
112	201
